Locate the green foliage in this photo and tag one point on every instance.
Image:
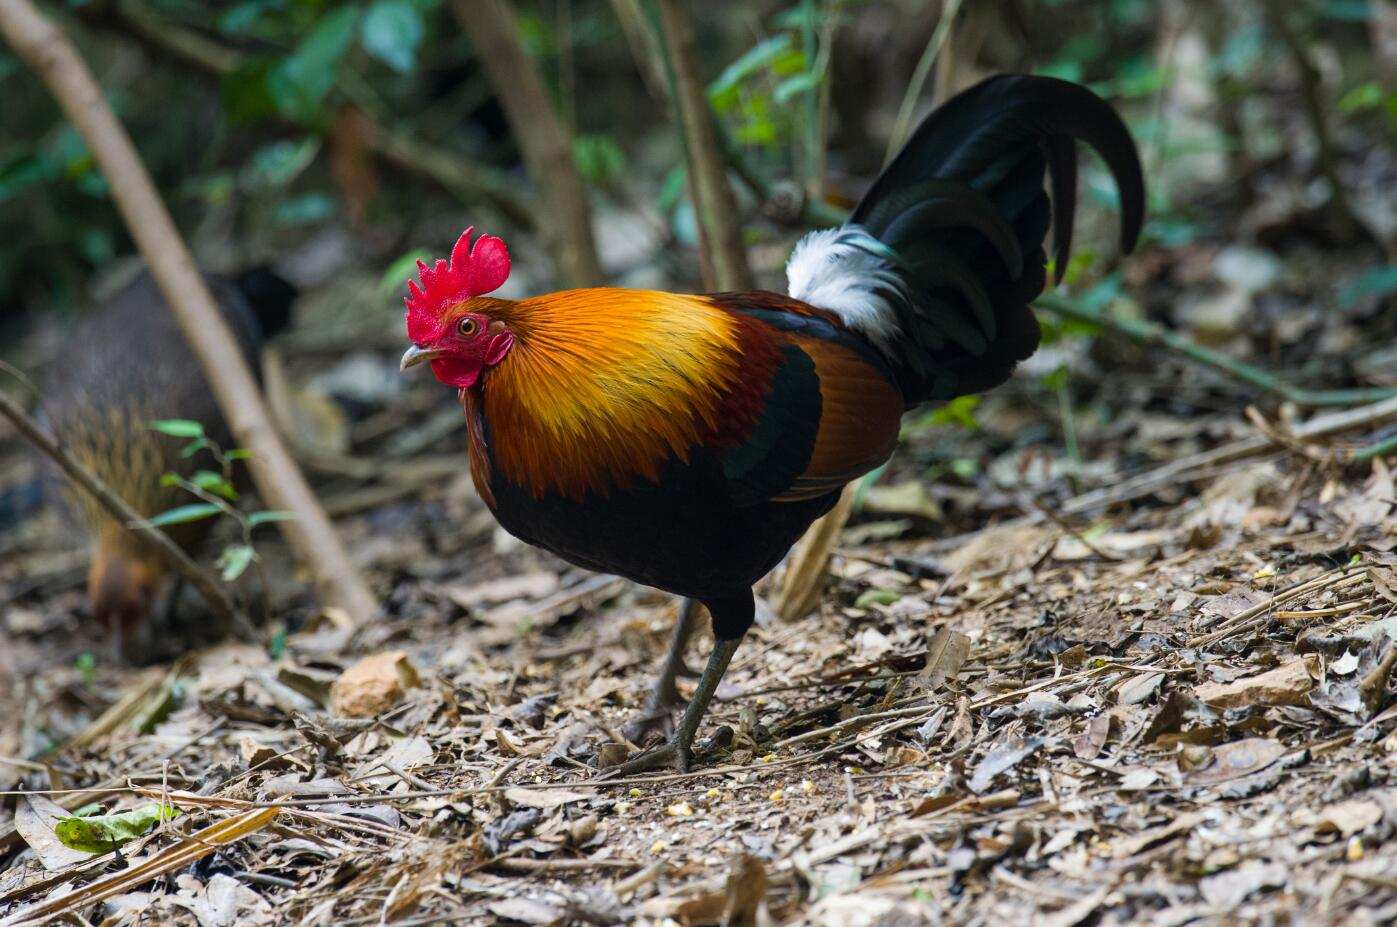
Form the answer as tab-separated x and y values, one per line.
959	411
392	31
235	560
183	514
300	83
1380	281
102	833
600	159
179	428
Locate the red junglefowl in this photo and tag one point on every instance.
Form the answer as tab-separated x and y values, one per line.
130	367
687	441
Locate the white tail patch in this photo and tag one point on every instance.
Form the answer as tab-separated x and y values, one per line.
841	270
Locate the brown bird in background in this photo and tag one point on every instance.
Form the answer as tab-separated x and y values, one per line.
130	366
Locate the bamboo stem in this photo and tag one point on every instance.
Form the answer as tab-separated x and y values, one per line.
52	56
721	232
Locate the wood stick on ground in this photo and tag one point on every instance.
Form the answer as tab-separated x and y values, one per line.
1152	335
219	602
799	585
725	266
544	141
52	56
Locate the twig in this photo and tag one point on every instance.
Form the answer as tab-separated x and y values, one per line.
726	259
127	517
919	76
544	141
52	56
1153	335
1321	426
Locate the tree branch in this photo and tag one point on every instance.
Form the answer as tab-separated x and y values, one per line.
714	205
52	56
127	517
544	141
1153	335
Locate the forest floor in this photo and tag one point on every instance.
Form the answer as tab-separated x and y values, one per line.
1125	666
1166	703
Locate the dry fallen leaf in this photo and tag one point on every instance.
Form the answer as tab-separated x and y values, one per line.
373	685
1236	759
1287	684
1347	818
945	655
1000	760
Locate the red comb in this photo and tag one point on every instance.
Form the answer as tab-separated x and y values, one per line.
472	271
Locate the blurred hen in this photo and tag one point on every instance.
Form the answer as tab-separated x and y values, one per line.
126	364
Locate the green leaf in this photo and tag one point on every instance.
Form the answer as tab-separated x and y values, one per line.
262	518
395	278
959	411
234	560
795	86
179	428
391	31
722	92
185	513
195	447
599	158
210	481
276	165
105	832
1380	281
299	84
238	453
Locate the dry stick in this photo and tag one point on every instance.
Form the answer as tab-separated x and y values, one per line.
125	516
726	266
544	141
919	76
49	52
1321	426
1152	335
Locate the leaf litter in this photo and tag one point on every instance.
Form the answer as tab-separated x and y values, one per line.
1170	702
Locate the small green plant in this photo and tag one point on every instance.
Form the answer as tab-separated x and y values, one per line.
216	494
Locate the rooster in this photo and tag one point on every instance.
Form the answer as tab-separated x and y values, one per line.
687	441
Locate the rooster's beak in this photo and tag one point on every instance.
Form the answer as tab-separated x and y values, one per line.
418	355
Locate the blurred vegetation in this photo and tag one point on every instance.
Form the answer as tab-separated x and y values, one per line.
273	124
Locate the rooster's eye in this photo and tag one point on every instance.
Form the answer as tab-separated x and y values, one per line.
468	327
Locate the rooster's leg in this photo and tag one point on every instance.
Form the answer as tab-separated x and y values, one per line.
665	698
679	750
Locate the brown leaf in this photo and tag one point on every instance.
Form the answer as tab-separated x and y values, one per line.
1236	759
35	819
1088	744
373	685
1287	684
1000	760
945	655
1127	847
1347	818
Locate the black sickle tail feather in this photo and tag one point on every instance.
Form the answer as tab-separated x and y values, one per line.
963	212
